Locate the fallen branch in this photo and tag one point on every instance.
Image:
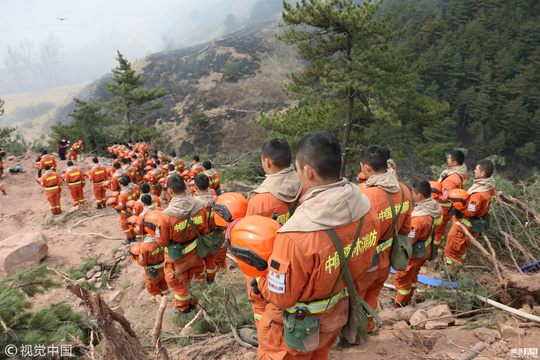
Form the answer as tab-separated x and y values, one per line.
161	351
497	271
62	275
531	214
197	336
239	340
97	234
197	317
509	309
232	258
472	352
455	315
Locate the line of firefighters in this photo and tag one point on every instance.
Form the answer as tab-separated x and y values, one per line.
281	234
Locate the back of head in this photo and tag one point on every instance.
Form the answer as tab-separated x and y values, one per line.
124	180
423	188
146	200
157	162
172	153
145	188
322	152
114	156
196	158
43	152
116	165
47	167
95	160
458	156
207	164
278	151
202	182
176	184
70	163
154	165
487	167
124	160
376	157
170	167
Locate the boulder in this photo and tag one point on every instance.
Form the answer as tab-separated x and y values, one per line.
22	251
440	324
487	335
419	318
441	311
510	332
402	332
10	158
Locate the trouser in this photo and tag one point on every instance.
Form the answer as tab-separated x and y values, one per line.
130	234
258	304
100	194
210	266
369	286
456	247
54	200
39	173
1	187
1	171
157	286
221	258
440	231
72	155
407	281
77	194
62	156
272	343
179	274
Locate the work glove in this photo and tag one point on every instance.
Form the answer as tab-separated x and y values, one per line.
456	213
255	286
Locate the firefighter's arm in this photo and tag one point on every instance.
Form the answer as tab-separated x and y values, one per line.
405	228
288	273
475	204
162	232
122	199
416	230
143	258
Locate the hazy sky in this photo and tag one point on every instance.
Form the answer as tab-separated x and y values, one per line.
89	21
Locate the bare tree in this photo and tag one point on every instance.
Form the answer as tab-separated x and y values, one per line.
29	59
13	61
50	58
168	42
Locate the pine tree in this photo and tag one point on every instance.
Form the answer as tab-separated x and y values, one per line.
352	78
130	100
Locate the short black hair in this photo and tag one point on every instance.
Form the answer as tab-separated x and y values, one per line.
278	151
487	167
375	156
422	187
176	184
47	167
196	158
207	164
170	167
154	156
124	180
43	151
157	162
124	160
114	156
457	155
145	188
117	165
321	151
95	160
202	182
146	199
153	165
172	153
69	163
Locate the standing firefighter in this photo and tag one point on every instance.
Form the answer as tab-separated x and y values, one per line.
213	176
75	148
98	175
278	194
392	202
304	267
129	191
425	218
52	183
75	179
472	214
176	234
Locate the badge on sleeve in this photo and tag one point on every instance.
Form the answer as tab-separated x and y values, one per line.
472	206
276	282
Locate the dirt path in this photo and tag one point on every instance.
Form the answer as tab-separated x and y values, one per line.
25	209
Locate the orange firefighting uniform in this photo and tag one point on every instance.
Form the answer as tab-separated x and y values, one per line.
209	260
267	204
178	164
52	183
407	281
213	178
47	160
152	255
75	179
2	153
452	181
129	192
373	281
178	273
98	175
303	270
72	154
457	242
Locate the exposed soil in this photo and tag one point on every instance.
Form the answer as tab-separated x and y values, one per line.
25	209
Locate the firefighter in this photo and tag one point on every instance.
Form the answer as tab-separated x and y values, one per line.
382	184
425	218
2	154
43	160
213	176
176	162
129	191
145	190
52	183
116	175
303	268
471	216
75	148
179	240
75	179
98	175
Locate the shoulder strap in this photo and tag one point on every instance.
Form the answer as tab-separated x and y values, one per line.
431	229
292	208
345	272
394	217
188	219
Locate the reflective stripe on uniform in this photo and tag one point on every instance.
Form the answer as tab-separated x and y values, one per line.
427	242
257	316
414	284
75	183
164	292
318	306
51	187
187	249
157	266
211	271
99	182
177	297
466	222
385	245
446	204
404	292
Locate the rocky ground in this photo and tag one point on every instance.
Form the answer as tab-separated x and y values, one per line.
25	210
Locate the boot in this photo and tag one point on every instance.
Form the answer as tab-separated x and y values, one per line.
4	192
99	207
128	241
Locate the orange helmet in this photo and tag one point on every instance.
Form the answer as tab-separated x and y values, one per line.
80	141
459	198
185	174
87	174
361	178
107	184
115	194
436	189
150	221
131	206
163	182
251	241
148	177
134	252
228	207
135	223
193	173
112	202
